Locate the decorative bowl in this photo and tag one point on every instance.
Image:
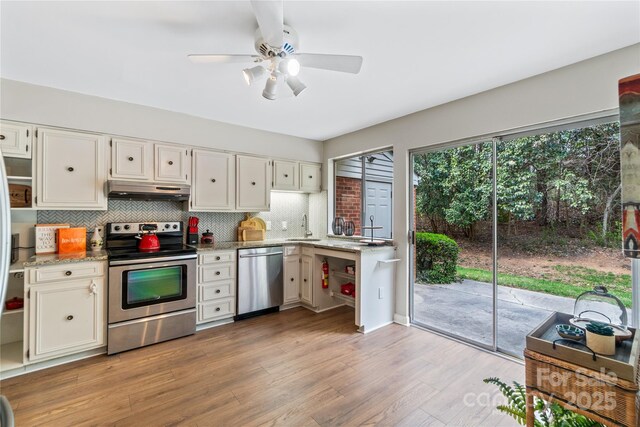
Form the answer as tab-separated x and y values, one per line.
570	332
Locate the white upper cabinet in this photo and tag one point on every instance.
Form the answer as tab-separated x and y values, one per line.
310	178
131	159
285	175
253	184
15	139
213	181
71	170
172	163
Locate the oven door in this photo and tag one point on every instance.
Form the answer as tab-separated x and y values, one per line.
150	287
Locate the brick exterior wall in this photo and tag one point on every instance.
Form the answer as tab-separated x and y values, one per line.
349	200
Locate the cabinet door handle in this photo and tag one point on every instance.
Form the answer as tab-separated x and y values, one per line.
305	280
217	308
170	162
70	169
131	159
292	279
213	180
217	258
1	137
253	183
68	273
217	291
217	273
310	176
70	317
286	175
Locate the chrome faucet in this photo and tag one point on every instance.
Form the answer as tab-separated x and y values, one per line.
305	225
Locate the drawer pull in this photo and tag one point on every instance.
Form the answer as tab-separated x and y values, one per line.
305	280
213	180
217	291
69	317
286	175
217	273
131	159
70	169
253	183
217	258
68	273
1	137
170	162
292	279
310	176
217	308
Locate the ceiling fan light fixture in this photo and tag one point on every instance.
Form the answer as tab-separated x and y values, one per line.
295	85
253	74
270	88
290	67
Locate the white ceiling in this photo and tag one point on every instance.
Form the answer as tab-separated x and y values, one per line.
417	54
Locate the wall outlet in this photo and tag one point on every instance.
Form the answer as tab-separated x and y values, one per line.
268	225
284	225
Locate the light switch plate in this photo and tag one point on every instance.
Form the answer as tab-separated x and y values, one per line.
268	225
284	225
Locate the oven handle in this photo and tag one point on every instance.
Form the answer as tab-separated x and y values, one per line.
259	255
148	260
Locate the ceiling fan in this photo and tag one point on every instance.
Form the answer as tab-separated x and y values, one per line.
277	46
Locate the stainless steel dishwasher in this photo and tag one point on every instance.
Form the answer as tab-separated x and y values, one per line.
260	286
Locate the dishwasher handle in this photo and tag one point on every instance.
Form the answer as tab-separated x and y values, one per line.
259	255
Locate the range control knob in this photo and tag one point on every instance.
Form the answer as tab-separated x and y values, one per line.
167	226
175	226
117	228
126	227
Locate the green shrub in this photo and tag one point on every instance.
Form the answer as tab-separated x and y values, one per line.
436	258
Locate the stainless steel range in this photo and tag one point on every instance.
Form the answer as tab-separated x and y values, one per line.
152	293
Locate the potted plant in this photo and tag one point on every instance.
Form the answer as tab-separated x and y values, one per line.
600	338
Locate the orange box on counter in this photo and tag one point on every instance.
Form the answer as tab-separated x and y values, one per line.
72	240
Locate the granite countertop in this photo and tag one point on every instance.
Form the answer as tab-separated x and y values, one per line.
50	259
337	244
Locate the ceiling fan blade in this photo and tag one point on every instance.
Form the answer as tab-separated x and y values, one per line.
270	19
222	59
342	63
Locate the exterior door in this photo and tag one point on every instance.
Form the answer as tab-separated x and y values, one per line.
378	204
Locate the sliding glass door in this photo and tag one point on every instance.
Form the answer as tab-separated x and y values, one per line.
500	245
453	202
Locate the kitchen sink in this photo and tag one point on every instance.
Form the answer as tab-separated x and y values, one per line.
302	239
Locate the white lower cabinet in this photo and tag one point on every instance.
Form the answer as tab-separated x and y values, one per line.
216	286
306	275
64	317
291	279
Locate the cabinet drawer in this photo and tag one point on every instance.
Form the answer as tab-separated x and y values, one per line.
65	272
217	257
217	290
291	250
214	273
219	309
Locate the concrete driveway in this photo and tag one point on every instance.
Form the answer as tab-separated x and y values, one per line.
465	309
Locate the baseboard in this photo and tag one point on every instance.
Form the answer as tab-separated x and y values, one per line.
401	320
213	324
38	366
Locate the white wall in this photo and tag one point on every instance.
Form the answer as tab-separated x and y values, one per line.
54	107
583	88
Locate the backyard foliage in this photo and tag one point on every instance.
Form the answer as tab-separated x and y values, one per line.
436	258
569	178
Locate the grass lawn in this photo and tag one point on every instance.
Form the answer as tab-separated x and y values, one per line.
568	282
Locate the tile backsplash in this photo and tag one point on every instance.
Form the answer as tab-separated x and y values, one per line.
289	207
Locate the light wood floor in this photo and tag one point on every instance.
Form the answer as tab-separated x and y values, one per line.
294	368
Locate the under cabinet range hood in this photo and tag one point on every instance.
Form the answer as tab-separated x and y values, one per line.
130	190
